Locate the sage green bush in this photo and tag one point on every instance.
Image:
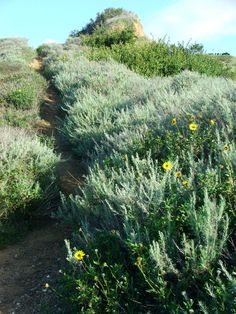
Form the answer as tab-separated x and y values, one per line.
16	51
110	108
154	221
21	88
26	171
151	240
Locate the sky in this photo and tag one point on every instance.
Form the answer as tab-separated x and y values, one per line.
210	22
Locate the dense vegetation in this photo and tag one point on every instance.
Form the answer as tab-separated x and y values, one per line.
147	58
21	88
26	163
102	19
114	34
154	222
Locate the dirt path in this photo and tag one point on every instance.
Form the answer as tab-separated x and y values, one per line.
26	266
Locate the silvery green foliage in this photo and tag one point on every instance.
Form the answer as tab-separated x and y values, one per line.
25	79
79	80
107	105
183	229
224	284
209	226
24	163
15	50
102	77
21	88
17	145
128	199
124	195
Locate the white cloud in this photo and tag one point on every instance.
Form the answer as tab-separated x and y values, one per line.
50	41
196	20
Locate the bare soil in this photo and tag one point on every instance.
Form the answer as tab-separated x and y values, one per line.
27	266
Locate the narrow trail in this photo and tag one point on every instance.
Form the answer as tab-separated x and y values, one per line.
26	266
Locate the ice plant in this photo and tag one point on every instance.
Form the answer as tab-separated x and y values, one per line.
193	126
167	165
79	255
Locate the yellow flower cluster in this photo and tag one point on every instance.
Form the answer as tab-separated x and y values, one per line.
193	126
168	166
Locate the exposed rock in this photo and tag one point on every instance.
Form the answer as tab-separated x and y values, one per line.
123	21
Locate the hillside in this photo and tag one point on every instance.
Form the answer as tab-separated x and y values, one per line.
113	20
126	148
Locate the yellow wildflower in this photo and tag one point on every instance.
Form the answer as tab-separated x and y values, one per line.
193	126
167	165
138	261
225	147
46	285
178	174
174	121
212	122
185	182
79	255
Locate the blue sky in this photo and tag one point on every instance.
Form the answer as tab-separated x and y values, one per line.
211	22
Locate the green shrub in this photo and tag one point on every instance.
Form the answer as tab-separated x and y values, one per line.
109	108
103	37
15	50
147	58
26	171
18	118
21	99
21	88
154	219
100	20
150	58
151	242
